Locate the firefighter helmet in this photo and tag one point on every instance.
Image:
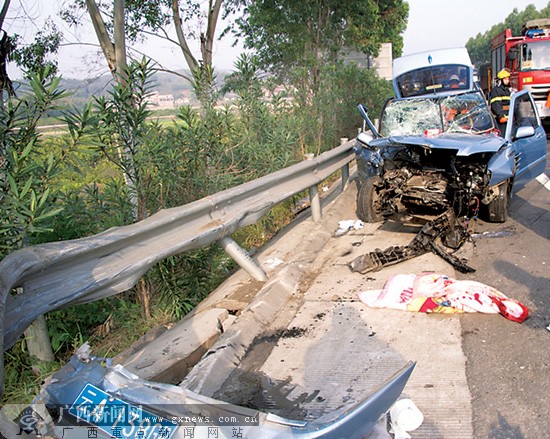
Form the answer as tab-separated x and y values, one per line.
504	73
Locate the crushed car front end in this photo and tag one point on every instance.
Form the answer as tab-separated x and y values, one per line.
432	154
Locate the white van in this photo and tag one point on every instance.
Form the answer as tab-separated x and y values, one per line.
440	71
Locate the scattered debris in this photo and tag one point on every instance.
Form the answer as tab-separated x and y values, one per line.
83	353
380	430
345	226
405	416
500	234
437	293
275	336
300	205
444	227
273	262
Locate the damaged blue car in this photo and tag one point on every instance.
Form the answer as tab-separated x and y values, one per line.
436	153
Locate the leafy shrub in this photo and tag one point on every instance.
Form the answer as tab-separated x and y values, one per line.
26	167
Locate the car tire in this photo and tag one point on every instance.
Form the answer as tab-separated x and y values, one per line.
497	209
369	207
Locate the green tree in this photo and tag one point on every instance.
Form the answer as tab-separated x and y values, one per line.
288	36
479	47
285	126
268	128
111	33
31	57
191	20
123	136
122	131
38	55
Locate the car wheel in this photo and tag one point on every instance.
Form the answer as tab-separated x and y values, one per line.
369	201
497	209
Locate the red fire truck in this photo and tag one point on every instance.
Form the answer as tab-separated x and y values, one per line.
528	58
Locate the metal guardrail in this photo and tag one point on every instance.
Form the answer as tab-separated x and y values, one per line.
59	274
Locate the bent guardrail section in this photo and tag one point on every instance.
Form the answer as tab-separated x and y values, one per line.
60	274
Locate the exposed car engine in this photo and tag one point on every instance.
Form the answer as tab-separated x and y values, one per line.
418	180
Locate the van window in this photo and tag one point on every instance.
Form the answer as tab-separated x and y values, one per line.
434	79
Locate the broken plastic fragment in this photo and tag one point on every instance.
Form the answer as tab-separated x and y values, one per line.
500	234
345	226
83	353
405	416
273	262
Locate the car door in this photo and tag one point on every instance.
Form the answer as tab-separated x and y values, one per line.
525	131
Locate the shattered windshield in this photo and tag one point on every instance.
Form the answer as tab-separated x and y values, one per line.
464	113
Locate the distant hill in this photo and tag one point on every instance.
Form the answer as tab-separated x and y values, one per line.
81	91
163	83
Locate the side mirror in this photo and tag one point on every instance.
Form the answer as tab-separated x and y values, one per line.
523	132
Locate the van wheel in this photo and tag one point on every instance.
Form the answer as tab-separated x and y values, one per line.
497	210
369	201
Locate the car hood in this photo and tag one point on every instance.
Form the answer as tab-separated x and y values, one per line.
463	144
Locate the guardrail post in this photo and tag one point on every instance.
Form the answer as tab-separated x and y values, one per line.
241	257
38	341
314	199
345	176
345	168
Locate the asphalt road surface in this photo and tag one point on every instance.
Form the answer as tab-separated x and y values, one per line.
508	364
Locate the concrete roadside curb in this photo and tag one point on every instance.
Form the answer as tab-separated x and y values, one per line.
174	352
